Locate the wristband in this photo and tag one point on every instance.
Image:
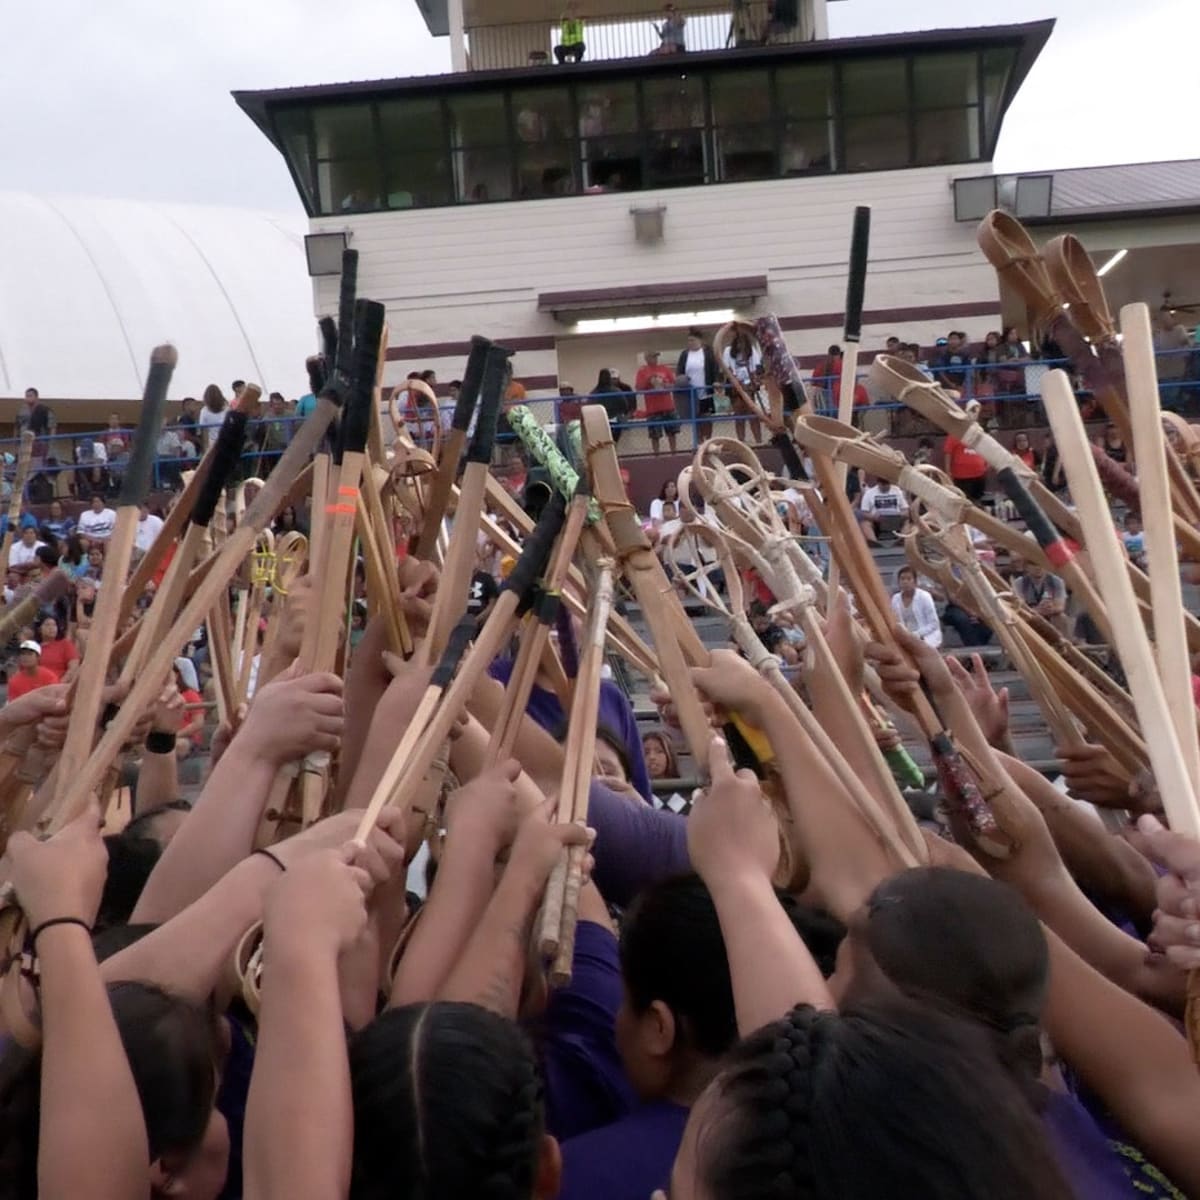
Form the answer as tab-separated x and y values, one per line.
33	937
160	742
273	857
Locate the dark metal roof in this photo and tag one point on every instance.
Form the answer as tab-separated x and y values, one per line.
1029	39
1096	192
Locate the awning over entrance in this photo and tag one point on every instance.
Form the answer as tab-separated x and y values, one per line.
653	298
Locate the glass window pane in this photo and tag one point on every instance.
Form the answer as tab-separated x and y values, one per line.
946	80
746	152
612	164
547	169
807	146
673	102
740	98
542	114
478	119
874	85
292	127
676	159
805	92
405	125
997	67
607	108
349	185
482	174
948	136
876	143
418	179
344	131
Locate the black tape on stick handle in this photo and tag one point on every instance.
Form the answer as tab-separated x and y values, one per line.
345	327
491	392
860	240
329	340
316	374
228	449
790	455
1056	547
356	417
138	473
535	554
468	393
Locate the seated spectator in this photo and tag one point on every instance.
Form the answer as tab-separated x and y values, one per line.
23	553
1133	538
97	522
1022	447
189	738
91	472
914	608
1044	593
149	526
1010	379
74	558
882	510
1113	444
923	453
57	523
951	361
1171	342
30	673
668	493
58	650
95	562
653	383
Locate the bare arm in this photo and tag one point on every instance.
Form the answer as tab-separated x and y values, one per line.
299	1114
288	718
733	838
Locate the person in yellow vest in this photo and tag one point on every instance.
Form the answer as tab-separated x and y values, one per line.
572	46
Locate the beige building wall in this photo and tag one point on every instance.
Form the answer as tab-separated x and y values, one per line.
449	272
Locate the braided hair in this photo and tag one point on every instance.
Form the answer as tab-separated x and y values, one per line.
447	1106
900	1102
172	1047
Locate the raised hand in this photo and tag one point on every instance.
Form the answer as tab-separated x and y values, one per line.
319	904
1177	918
731	829
294	715
989	706
732	684
62	876
487	810
539	844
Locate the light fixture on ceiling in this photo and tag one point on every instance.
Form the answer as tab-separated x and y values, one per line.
1112	262
718	316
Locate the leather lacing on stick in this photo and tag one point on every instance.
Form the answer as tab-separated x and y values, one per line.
738	491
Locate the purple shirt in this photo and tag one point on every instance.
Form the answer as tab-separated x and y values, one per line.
1084	1156
635	844
615	713
577	1037
626	1160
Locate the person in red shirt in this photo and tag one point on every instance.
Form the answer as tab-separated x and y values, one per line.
58	653
654	384
30	674
967	469
190	736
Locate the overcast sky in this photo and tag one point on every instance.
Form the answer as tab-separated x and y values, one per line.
131	97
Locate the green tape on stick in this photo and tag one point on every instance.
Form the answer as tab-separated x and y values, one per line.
541	447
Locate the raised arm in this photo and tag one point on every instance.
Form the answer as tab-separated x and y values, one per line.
299	1115
289	718
90	1112
734	842
491	969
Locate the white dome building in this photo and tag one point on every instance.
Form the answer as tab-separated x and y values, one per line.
89	286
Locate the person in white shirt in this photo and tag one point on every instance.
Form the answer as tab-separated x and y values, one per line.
212	414
882	509
147	528
23	553
97	523
915	610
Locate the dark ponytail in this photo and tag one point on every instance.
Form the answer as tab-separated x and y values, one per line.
895	1102
447	1106
171	1045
